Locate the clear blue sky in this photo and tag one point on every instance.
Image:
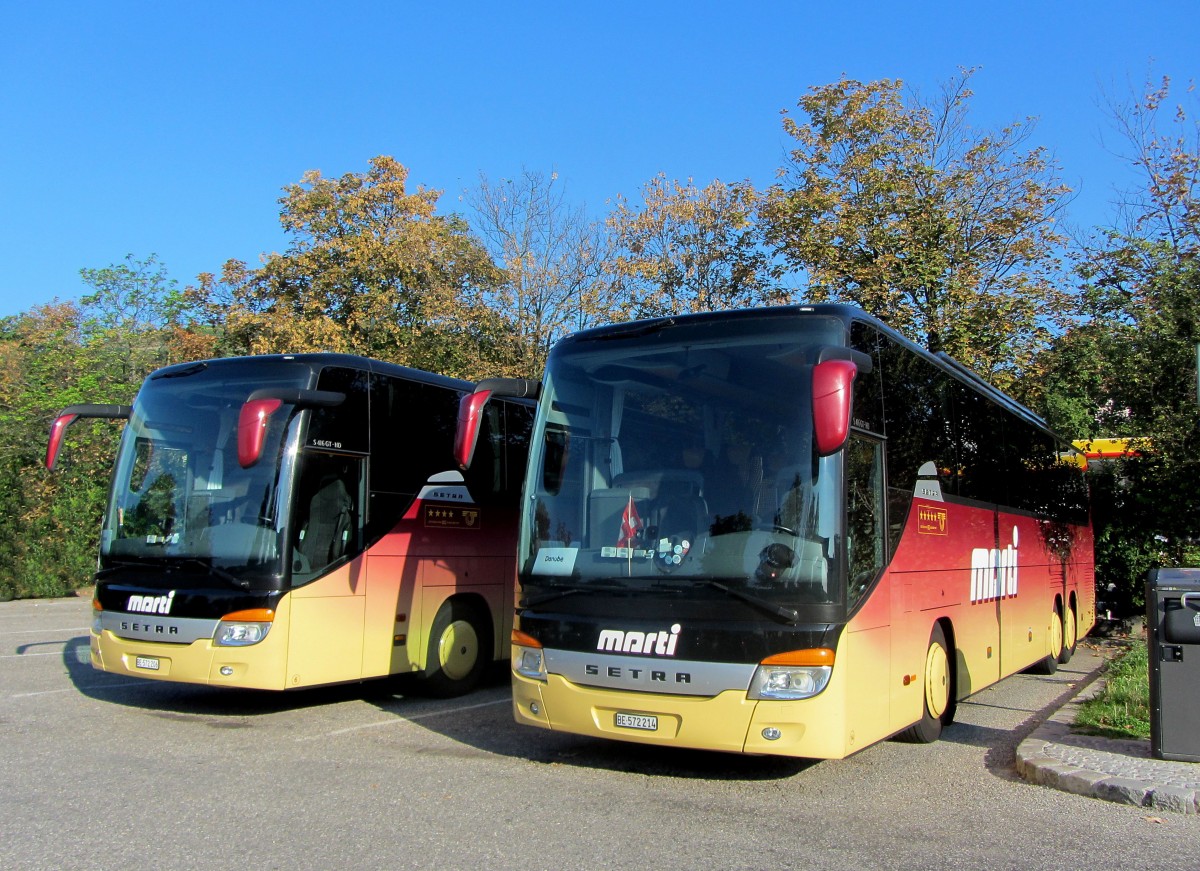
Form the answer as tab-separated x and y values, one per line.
170	128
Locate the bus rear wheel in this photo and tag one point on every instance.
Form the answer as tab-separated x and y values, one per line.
460	645
938	702
1049	663
1070	635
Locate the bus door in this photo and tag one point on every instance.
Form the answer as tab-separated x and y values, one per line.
867	642
328	507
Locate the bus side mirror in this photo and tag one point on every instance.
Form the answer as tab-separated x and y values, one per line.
470	420
257	410
831	391
470	412
72	413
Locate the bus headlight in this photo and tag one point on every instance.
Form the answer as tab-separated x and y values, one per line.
527	657
243	628
798	674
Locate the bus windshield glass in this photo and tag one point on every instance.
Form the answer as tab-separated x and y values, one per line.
180	497
685	463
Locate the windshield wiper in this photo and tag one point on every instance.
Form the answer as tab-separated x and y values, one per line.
784	615
231	579
165	564
561	590
120	565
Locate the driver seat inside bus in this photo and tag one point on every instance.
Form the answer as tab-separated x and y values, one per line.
325	532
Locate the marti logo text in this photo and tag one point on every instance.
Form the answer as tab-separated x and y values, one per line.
150	604
660	643
994	572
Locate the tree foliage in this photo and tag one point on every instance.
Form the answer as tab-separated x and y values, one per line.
886	200
946	232
691	249
552	259
372	270
1129	367
99	350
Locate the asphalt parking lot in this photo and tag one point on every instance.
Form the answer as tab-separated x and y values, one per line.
104	772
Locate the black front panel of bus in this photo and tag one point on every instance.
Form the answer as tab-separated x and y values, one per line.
161	599
734	641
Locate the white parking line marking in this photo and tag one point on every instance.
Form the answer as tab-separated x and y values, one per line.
27	655
401	720
88	688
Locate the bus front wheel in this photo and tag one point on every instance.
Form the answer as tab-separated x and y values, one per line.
460	648
938	703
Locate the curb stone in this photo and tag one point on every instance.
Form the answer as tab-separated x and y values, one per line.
1121	771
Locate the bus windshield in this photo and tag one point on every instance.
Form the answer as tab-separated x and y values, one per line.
686	464
180	497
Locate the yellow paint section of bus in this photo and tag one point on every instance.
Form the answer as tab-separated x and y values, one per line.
830	725
258	666
716	723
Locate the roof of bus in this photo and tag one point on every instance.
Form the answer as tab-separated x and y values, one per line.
320	360
841	311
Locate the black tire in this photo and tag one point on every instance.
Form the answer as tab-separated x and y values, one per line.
938	704
459	651
1070	635
1049	663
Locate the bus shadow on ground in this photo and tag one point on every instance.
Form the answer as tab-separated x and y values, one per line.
488	729
664	762
166	697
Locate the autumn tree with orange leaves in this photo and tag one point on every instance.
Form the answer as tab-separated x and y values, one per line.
947	232
371	270
690	249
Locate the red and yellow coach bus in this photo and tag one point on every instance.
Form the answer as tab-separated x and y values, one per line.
286	521
782	531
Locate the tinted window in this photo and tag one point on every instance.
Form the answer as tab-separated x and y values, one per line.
342	427
412	437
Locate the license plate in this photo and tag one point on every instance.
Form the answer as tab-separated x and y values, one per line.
149	662
637	721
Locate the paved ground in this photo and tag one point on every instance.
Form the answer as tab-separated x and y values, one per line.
100	772
1123	771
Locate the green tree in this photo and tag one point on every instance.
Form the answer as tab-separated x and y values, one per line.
946	232
98	350
1129	367
689	249
49	524
139	316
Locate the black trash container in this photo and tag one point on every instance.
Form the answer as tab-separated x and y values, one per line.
1173	638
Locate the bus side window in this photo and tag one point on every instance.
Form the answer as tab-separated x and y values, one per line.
865	534
329	518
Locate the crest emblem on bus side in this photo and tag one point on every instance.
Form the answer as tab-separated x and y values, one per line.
932	521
